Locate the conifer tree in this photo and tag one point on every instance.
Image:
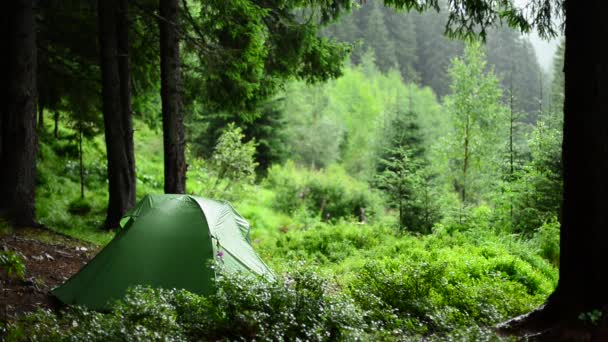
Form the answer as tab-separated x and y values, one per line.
376	36
402	32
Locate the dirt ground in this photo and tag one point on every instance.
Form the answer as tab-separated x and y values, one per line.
49	258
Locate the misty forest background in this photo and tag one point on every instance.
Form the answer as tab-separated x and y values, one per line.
416	194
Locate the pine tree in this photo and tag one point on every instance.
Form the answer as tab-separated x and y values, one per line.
403	132
402	32
435	51
376	36
558	82
514	59
267	128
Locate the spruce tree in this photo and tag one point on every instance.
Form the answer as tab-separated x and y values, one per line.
402	32
376	36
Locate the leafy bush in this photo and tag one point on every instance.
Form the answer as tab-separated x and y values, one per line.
547	238
329	194
456	283
300	306
79	207
12	264
230	168
440	292
232	158
144	315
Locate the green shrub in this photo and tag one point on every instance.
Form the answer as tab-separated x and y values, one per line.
453	284
436	294
230	169
299	306
12	264
329	194
79	207
547	238
65	147
144	315
5	227
327	244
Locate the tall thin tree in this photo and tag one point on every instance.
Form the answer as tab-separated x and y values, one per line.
124	69
511	146
116	108
18	113
171	83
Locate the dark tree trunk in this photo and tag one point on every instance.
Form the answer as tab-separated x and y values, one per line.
173	116
4	15
125	85
583	280
584	231
117	122
19	139
80	160
42	80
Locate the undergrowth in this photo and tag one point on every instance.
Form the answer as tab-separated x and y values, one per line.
347	272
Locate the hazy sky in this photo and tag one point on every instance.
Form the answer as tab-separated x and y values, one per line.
544	49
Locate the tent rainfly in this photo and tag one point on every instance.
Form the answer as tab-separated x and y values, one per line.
166	241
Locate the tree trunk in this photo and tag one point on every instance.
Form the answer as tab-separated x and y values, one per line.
80	160
511	151
173	116
125	86
4	32
41	79
465	162
117	122
584	231
583	280
465	168
19	139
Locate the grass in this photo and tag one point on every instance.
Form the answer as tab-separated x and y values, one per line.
59	181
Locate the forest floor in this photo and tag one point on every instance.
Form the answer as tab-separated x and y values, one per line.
49	259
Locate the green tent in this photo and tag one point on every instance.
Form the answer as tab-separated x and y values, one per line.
166	241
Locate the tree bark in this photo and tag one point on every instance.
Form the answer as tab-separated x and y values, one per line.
173	116
117	121
583	280
125	86
19	139
80	159
584	231
4	32
465	161
42	80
